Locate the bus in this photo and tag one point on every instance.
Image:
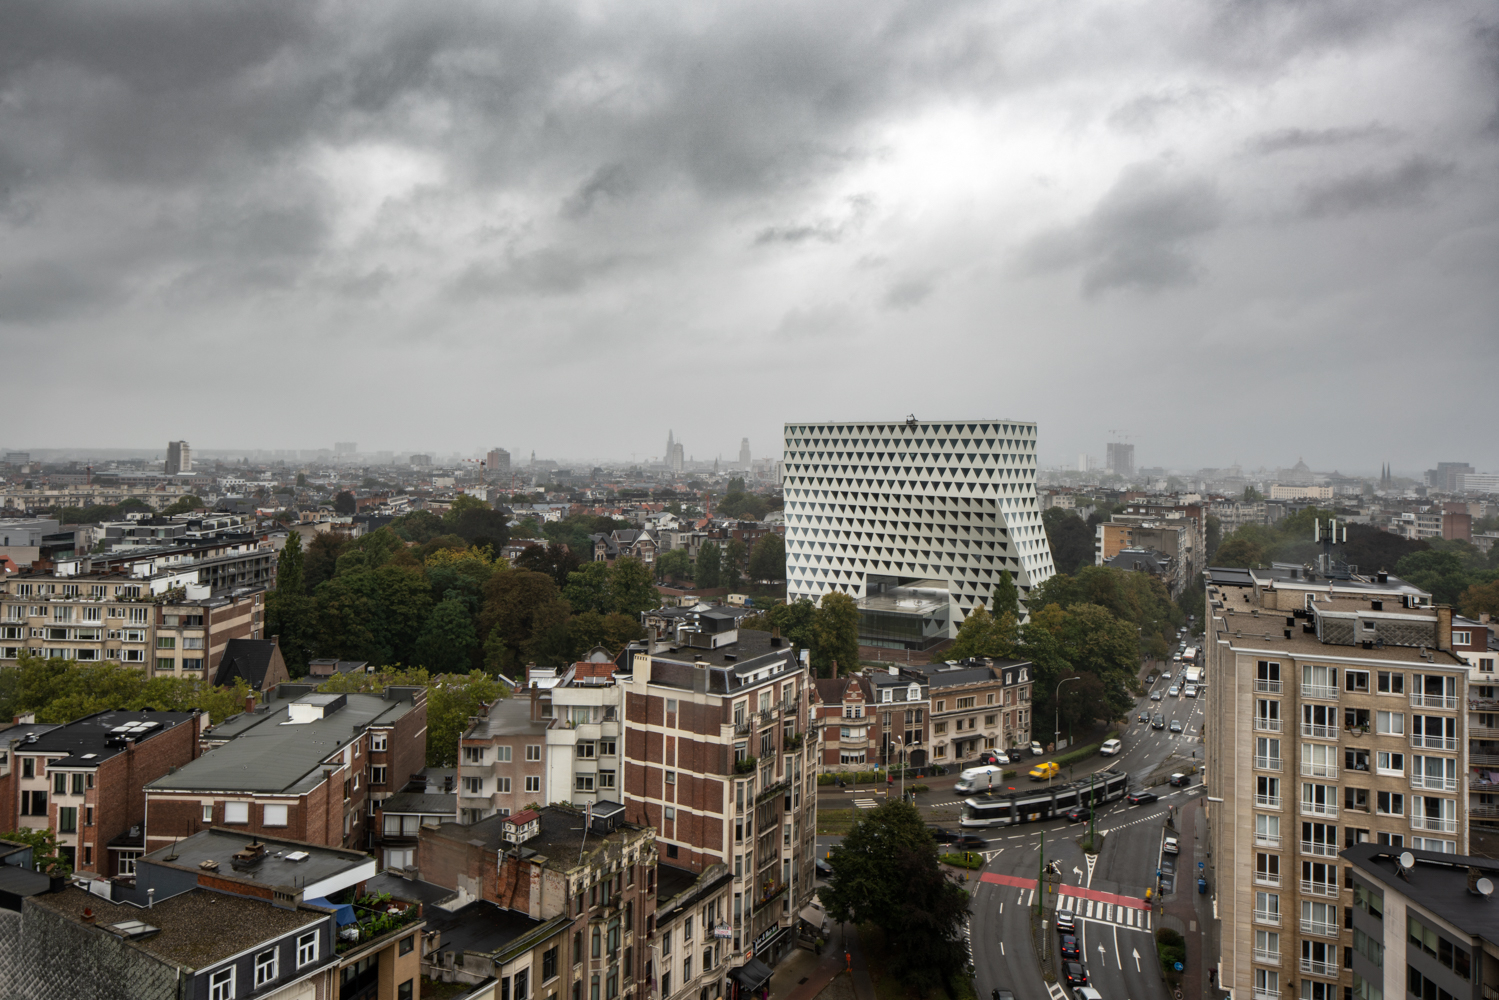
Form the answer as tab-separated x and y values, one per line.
1010	808
1189	655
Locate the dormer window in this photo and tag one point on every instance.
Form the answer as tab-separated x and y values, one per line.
913	693
887	695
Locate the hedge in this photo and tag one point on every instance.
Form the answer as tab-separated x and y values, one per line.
1082	753
970	860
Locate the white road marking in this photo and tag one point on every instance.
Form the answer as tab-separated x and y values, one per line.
1116	948
1136	953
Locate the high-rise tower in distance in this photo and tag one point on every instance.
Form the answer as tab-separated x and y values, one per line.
179	458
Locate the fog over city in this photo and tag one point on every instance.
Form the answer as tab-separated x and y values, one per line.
1241	232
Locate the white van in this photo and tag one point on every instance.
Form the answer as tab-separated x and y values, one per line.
976	779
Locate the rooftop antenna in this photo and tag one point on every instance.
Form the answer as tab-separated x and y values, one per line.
1404	863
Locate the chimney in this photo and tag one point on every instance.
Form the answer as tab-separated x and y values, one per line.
775	637
1444	627
249	703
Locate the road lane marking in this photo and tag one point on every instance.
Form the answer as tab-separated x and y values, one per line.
1117	960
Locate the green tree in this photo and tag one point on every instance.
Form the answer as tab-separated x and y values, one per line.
404	599
451	702
1070	539
521	617
46	853
289	565
185	504
835	635
1252	495
588	588
301	479
1239	552
794	621
768	560
630	587
734	555
1480	599
1214	537
64	690
448	641
344	503
1006	598
321	558
709	572
289	612
419	526
554	559
886	873
981	634
674	564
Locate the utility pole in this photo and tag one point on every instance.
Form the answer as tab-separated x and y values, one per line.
1041	896
1056	730
1092	816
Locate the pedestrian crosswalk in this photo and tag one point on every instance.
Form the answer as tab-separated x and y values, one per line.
864	803
1106	913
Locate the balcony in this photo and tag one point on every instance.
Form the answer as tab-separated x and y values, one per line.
1445	702
1319	927
1480	785
1267	840
1434	784
745	765
1325	692
1447	743
1267	801
1311	769
1319	732
1310	888
1434	824
1483	733
1267	958
1312	967
1328	809
1267	725
742	727
1267	917
1269	687
1265	878
1260	994
1318	849
769	893
1268	763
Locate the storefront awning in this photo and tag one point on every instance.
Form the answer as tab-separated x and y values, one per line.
752	975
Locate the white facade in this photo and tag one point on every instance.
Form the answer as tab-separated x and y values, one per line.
870	505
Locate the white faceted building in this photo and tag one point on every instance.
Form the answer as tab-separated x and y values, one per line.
914	519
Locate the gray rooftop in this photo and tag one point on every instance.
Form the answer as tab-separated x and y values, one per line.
267	753
508	717
1437	883
271	868
419	803
93	739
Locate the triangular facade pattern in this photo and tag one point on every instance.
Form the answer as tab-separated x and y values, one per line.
946	501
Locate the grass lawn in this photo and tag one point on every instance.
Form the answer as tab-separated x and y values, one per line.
834	822
886	987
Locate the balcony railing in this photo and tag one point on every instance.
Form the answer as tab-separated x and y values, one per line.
1310	888
1267	840
1267	801
1448	702
1483	733
1434	784
1266	878
1318	849
1311	967
1268	763
1265	725
1266	916
1260	994
1323	928
1319	808
1311	769
1319	732
1268	958
1326	692
1269	687
1448	743
1434	824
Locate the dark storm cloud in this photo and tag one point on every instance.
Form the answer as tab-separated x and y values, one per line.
1292	139
1396	187
1139	235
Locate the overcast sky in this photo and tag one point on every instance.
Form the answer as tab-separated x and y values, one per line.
1252	231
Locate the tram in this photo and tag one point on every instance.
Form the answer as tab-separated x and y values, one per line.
1006	808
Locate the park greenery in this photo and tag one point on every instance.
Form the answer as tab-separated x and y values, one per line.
64	690
886	872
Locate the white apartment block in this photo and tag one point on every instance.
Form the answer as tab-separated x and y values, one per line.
915	520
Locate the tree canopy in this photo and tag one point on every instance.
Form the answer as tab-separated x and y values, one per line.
64	690
768	558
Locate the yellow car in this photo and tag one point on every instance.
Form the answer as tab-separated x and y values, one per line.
1042	771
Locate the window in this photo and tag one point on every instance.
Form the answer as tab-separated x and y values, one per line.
307	948
1319	760
1266	984
1319	682
59	783
378	742
67	819
1391	682
608	748
1267	869
1319	918
1267	753
1390	803
1389	763
1389	723
236	812
1267	907
208	813
533	783
273	815
533	753
502	785
583	782
166	642
1438	774
606	779
584	750
1356	680
965	703
165	663
406	990
669	813
265	967
473	755
1462	638
473	786
221	984
1267	830
377	775
1267	947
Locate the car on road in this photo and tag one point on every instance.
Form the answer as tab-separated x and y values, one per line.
942	836
1144	717
1170	847
1087	993
1158	721
1081	814
980	778
1064	921
1155	696
1166	674
1140	798
1190	690
1110	747
1075	974
1045	769
1173	691
1002	995
970	842
1176	725
1150	679
993	757
824	870
1180	780
1070	949
1037	749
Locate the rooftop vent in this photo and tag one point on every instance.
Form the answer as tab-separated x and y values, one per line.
1376	605
134	929
209	865
1383	577
253	851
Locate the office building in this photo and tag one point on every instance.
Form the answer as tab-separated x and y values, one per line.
673	459
1336	716
915	520
497	462
345	448
179	458
1120	459
744	454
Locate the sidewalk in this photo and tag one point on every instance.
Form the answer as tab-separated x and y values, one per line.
1181	905
803	976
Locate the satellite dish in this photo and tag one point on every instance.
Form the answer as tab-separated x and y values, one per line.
1407	860
1485	887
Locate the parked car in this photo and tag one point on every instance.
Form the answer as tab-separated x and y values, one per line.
1155	696
1086	993
1180	780
970	842
1158	721
942	836
1070	949
1176	725
1140	798
1110	747
1075	974
1081	814
1170	847
1037	749
1064	921
1045	769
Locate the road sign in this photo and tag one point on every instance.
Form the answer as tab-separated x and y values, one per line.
1179	966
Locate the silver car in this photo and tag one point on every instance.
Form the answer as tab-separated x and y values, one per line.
1174	690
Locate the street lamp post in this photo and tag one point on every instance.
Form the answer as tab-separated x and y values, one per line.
900	745
1056	730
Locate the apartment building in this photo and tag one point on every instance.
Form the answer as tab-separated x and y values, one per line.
502	764
977	705
1474	642
1336	715
304	765
85	780
899	703
717	760
1424	924
838	706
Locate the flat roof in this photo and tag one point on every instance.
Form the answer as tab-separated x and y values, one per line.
508	717
1266	631
197	929
1438	883
561	837
480	927
274	867
93	739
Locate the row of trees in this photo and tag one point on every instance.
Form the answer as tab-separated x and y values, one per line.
829	632
726	565
63	690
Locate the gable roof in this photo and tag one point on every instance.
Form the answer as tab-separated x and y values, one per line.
247	658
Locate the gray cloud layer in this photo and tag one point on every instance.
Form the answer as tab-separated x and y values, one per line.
493	218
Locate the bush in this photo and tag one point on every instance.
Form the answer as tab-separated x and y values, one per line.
824	779
970	860
1008	775
917	789
1172	948
1082	753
